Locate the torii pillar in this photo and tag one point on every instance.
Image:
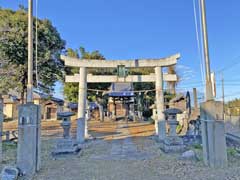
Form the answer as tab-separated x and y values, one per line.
82	97
160	124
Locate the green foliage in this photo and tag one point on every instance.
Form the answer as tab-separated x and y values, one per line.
231	152
197	146
71	91
13	52
233	107
168	96
9	146
91	55
179	128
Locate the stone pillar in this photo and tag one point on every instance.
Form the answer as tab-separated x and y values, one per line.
139	107
114	110
213	134
1	127
195	98
101	113
160	124
82	96
131	111
29	133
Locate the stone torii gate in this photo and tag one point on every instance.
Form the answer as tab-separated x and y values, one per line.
83	78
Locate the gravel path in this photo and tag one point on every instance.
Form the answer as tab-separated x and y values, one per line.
120	158
126	152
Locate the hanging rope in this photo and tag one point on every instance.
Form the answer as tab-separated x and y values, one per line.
137	91
36	45
98	90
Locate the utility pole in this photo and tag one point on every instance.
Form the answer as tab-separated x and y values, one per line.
30	52
213	134
223	96
209	93
29	117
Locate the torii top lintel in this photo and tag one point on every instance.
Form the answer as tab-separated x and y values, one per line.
138	63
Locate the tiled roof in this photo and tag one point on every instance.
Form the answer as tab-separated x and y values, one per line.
121	90
10	99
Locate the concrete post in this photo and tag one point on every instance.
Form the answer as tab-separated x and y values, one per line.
160	123
1	127
82	96
86	117
29	133
30	52
213	134
195	98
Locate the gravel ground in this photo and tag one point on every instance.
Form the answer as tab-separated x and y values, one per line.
124	152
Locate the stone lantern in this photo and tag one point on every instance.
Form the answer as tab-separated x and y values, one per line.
172	143
171	114
66	123
66	145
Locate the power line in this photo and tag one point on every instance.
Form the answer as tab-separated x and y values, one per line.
230	65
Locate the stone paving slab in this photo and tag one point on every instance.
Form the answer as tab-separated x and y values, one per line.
123	149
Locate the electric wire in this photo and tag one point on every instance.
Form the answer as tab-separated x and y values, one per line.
234	63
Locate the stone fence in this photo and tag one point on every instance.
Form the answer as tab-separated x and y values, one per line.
234	120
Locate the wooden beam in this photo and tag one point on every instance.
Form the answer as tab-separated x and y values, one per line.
137	63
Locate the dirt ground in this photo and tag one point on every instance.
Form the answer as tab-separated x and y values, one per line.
118	151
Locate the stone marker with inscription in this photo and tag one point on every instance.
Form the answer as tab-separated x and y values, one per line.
29	142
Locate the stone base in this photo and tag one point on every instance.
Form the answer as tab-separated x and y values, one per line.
9	173
66	146
172	145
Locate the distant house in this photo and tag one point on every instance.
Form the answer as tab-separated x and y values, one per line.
50	106
10	110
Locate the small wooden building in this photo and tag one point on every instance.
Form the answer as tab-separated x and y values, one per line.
121	96
50	106
10	110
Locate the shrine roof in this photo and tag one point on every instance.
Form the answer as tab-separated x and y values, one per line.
121	90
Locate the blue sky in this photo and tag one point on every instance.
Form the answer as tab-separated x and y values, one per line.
130	29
